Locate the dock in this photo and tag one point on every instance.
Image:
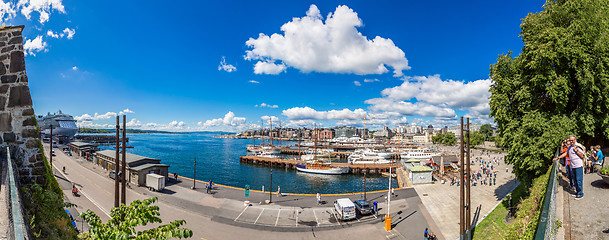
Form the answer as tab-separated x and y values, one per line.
291	164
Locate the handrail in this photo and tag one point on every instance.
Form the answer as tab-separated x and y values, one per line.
18	224
548	214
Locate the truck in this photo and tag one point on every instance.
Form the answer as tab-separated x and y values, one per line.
155	182
345	208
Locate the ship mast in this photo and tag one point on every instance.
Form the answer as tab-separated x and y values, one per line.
271	130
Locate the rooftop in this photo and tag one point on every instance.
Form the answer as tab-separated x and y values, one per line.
131	158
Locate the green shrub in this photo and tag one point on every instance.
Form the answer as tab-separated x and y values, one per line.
605	170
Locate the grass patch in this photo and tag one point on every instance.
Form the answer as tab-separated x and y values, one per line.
527	202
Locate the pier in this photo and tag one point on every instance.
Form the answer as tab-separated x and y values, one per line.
291	164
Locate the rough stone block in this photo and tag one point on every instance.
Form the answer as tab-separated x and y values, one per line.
29	122
22	78
19	96
3	56
8	78
16	40
5	122
9	137
29	133
3	88
2	103
17	62
31	144
2	69
27	112
17	33
8	48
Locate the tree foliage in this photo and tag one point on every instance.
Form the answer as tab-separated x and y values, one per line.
557	86
136	214
487	131
476	138
446	139
46	215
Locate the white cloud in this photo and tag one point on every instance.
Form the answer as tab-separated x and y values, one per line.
127	110
357	83
371	80
266	105
52	34
432	96
253	81
69	33
75	68
31	47
300	113
266	118
176	124
226	67
43	7
229	120
268	68
334	46
7	11
134	123
89	124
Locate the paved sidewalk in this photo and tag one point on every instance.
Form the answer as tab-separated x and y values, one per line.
587	218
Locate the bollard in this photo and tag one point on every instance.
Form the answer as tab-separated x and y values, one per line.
388	223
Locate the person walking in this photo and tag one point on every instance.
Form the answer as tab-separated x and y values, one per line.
576	156
318	199
175	175
209	186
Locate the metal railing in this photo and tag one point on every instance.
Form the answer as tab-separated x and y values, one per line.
18	229
547	227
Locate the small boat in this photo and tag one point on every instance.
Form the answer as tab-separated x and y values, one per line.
418	154
321	167
369	157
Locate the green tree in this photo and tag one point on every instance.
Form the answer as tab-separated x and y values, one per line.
449	139
557	86
487	131
137	213
476	138
438	138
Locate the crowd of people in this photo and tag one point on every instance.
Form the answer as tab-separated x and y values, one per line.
486	175
577	162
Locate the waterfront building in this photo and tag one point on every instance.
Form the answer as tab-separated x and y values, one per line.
346	132
422	138
137	166
323	134
83	149
385	133
420	174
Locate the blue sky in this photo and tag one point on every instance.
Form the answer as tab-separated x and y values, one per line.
204	65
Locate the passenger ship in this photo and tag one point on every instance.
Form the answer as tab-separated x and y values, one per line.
62	124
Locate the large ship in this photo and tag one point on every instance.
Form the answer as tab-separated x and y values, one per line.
62	124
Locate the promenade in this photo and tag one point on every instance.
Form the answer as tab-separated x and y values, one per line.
442	200
585	218
222	214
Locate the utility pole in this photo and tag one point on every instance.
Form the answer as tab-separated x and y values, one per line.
299	138
468	221
116	163
124	163
194	174
461	187
271	188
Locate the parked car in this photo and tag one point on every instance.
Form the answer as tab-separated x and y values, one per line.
113	175
363	207
53	152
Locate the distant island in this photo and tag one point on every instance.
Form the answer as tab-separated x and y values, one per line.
94	130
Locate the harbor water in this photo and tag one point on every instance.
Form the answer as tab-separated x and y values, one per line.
218	160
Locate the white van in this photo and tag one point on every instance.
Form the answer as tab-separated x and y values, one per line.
345	208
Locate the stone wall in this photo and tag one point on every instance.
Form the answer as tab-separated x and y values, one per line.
18	128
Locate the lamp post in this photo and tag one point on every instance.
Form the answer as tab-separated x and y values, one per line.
271	188
194	175
51	148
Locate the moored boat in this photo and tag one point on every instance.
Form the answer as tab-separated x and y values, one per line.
321	167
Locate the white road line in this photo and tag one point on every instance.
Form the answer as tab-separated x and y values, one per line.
315	214
259	216
242	212
296	213
277	221
334	214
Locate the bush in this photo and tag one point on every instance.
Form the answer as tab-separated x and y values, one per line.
605	171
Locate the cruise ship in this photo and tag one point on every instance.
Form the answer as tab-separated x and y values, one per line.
63	124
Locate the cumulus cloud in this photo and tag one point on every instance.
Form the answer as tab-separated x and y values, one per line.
127	110
75	68
357	83
177	124
52	34
371	80
97	116
267	118
335	45
266	105
229	120
69	33
31	47
134	123
43	7
301	113
253	81
432	96
7	11
226	67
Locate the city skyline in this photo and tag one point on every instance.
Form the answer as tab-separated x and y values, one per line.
238	64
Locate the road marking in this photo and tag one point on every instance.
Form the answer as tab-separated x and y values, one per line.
334	214
242	212
259	216
296	213
278	213
315	214
87	196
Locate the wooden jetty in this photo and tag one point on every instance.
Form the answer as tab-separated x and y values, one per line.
288	151
291	163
